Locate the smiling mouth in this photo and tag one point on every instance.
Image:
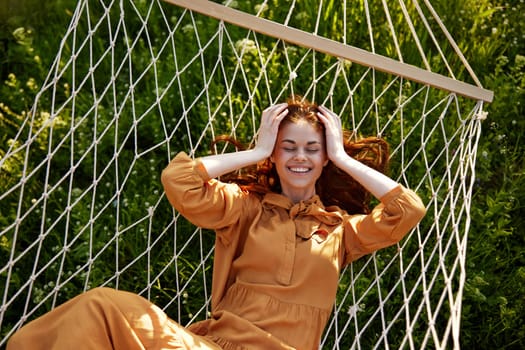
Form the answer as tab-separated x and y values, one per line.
299	170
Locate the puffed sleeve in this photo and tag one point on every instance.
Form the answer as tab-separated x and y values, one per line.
400	210
205	202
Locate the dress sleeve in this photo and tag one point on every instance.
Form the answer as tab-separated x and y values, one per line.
400	210
207	203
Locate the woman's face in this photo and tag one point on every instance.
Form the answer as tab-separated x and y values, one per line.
299	157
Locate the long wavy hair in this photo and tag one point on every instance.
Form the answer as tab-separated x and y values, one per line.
334	186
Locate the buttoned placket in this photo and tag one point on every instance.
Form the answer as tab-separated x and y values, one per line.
291	233
284	275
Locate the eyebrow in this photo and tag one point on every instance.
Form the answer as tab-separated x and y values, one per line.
308	143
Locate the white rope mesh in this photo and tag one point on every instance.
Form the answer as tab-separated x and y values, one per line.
136	81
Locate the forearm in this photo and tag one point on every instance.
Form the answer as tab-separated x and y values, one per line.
372	180
220	164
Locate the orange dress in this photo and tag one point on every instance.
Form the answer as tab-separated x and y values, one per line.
275	274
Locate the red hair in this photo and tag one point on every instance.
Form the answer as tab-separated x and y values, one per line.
334	186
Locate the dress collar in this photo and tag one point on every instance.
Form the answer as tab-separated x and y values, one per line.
308	215
279	200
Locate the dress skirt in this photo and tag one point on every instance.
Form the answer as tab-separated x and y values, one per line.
105	318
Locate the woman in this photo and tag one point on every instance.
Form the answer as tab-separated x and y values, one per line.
279	249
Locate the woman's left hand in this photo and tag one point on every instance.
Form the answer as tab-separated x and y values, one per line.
333	132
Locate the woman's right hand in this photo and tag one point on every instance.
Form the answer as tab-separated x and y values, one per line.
267	135
219	164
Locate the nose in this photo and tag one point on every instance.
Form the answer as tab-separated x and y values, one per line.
300	155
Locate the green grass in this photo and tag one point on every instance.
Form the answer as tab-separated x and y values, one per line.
491	34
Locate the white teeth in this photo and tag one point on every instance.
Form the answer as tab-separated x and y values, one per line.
300	170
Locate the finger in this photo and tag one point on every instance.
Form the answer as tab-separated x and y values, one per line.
329	113
273	111
332	116
328	124
332	123
279	113
278	109
276	106
327	119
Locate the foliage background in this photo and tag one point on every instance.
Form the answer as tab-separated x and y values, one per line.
491	33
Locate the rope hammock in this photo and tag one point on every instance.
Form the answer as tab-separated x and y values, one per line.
133	82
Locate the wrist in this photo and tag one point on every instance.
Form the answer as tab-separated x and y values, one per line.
259	154
341	157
